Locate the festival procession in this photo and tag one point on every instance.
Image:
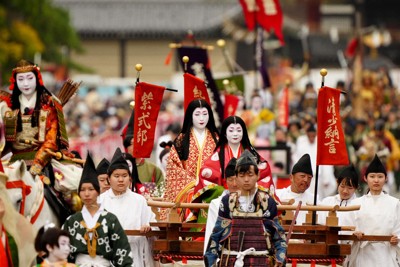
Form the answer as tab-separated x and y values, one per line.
199	133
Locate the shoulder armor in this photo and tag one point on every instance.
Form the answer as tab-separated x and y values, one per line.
262	198
4	94
233	199
6	97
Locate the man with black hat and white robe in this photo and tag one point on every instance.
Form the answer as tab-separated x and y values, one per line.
102	175
299	190
130	208
247	225
379	214
97	237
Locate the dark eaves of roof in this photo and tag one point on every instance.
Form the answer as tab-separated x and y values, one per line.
149	19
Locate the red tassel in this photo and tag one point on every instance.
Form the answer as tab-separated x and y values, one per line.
184	260
312	263
4	250
168	58
333	262
169	258
294	263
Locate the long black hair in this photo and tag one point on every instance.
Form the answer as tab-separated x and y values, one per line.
245	142
134	174
181	143
49	237
41	93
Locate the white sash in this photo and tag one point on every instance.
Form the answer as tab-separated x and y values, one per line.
84	260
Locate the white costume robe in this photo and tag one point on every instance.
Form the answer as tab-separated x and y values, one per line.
378	215
132	212
212	216
333	201
307	197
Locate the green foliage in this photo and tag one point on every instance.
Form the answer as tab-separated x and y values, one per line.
29	27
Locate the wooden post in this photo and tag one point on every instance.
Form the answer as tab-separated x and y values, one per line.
332	219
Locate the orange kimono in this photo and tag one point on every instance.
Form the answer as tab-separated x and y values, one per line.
181	176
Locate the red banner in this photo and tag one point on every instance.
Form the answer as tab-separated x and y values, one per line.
195	88
331	147
270	17
283	108
148	98
267	13
249	12
231	104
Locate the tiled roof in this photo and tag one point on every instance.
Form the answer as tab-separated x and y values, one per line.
149	18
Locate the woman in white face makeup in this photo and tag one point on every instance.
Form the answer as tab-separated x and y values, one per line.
233	141
191	148
32	118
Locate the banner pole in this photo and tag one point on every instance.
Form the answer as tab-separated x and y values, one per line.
185	60
138	68
323	73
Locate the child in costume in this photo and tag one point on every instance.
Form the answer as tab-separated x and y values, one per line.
53	245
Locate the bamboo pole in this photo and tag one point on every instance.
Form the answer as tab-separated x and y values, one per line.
163	204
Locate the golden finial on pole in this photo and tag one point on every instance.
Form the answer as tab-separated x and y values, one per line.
174	45
221	43
323	73
138	68
226	83
185	60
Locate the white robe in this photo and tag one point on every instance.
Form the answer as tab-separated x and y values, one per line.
212	216
333	201
378	215
132	212
307	198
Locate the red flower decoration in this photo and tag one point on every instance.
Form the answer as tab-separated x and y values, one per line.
12	82
39	76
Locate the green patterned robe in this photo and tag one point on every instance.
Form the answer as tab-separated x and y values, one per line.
112	242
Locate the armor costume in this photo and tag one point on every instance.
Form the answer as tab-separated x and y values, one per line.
247	232
35	125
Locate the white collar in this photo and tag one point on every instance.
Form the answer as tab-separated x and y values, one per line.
114	196
246	202
89	219
294	193
27	103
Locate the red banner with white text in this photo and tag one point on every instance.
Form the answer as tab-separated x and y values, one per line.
148	98
283	108
231	104
331	147
249	11
195	88
270	17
